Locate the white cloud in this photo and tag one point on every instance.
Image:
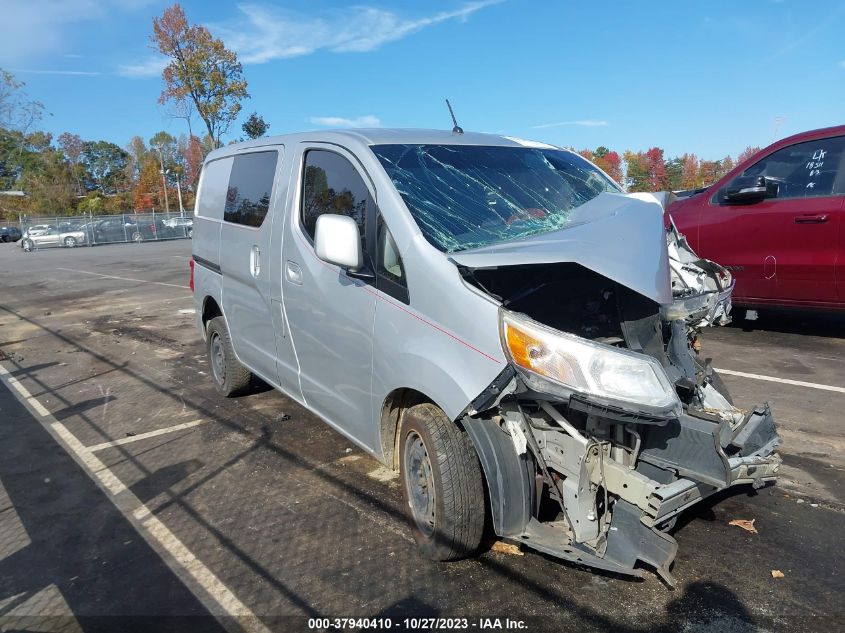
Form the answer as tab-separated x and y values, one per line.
581	122
842	64
337	121
150	67
38	71
269	33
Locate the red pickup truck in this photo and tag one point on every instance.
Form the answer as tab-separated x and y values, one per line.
776	222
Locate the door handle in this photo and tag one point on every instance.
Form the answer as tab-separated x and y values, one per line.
293	272
811	219
255	261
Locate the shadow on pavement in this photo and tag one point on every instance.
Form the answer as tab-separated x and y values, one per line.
83	406
164	478
75	539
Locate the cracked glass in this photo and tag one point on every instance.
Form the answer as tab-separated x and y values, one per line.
469	196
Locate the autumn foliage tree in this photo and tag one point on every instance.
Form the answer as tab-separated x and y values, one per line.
255	126
689	171
192	157
609	161
147	193
636	171
72	146
50	188
747	153
200	69
657	180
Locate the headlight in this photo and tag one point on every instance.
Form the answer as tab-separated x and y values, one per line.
584	366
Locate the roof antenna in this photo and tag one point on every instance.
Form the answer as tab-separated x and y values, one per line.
457	129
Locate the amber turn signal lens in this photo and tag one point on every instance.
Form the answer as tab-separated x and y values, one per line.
523	347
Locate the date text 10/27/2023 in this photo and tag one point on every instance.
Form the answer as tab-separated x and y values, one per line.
426	624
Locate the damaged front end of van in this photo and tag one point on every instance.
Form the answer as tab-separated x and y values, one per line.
607	423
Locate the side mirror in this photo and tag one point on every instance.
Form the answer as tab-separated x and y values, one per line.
337	241
750	189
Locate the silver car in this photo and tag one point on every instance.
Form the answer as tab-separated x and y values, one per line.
68	236
478	312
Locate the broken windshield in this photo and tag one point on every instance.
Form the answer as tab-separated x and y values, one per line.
468	196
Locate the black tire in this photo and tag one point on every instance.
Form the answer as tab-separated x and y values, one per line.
191	233
229	376
27	245
452	523
137	237
70	241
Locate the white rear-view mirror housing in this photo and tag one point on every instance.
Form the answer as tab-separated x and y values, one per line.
337	241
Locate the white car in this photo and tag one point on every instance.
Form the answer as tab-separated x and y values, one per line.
38	229
51	236
186	224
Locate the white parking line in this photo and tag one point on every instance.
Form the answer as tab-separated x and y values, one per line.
785	381
143	281
215	595
143	436
13	383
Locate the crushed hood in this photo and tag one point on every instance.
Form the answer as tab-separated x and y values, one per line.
618	236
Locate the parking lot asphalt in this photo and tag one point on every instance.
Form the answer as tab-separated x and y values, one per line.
133	496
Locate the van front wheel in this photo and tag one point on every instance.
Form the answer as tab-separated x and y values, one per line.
442	484
230	377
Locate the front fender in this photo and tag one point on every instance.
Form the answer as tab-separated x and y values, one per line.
510	477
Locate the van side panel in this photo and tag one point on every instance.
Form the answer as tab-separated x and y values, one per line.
245	250
205	245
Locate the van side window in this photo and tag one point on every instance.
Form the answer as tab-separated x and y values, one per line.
211	197
332	185
250	187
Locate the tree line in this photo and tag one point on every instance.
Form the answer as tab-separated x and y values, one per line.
651	171
68	175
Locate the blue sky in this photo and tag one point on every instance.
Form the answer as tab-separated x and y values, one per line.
704	77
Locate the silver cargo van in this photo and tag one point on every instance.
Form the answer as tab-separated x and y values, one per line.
494	318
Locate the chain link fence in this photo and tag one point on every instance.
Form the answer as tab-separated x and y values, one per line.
33	233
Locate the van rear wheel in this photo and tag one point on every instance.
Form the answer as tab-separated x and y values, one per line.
442	484
230	377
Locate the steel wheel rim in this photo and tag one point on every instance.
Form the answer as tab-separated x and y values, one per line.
70	242
218	360
419	481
